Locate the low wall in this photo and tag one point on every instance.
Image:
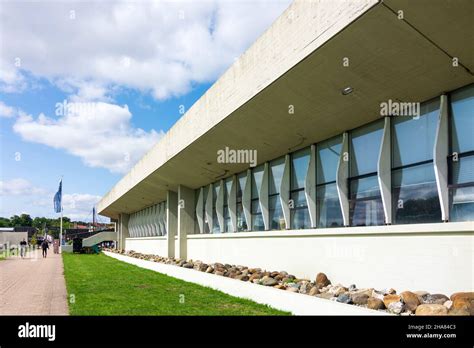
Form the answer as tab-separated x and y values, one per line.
12	238
148	245
437	258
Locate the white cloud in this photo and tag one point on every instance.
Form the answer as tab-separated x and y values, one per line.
19	187
161	47
99	133
6	111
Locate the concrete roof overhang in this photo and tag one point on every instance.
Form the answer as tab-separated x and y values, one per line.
299	62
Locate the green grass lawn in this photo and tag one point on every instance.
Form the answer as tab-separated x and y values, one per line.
102	285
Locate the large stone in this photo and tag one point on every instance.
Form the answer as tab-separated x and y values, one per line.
396	307
468	295
322	280
463	304
314	291
344	298
337	290
188	265
279	286
255	276
268	281
387	299
360	299
209	269
431	309
367	292
325	295
410	299
375	303
434	299
292	289
219	273
305	287
378	294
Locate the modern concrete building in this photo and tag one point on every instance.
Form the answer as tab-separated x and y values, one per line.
361	116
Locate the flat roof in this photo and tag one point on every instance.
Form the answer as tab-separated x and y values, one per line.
298	62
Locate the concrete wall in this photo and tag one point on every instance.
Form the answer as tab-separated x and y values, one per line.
148	245
12	238
432	257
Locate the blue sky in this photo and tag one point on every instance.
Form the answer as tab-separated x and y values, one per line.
128	70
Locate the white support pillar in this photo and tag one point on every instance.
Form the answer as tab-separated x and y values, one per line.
186	211
263	197
209	207
124	220
247	200
384	171
342	179
220	206
285	191
310	187
232	204
440	156
199	210
171	221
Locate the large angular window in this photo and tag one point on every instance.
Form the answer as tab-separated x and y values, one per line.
461	161
277	220
205	191
365	201
215	221
299	214
414	192
241	222
227	221
257	217
327	201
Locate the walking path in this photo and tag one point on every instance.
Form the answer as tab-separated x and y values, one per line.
33	285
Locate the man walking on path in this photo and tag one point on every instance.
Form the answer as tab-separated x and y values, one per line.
45	247
23	245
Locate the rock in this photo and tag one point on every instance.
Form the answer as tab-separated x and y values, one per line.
377	294
448	304
219	273
463	303
325	295
242	277
387	299
459	311
337	290
305	287
396	307
434	299
431	309
209	269
268	281
322	280
421	293
274	274
188	265
344	298
390	291
314	291
279	286
255	276
360	299
352	287
468	295
410	299
375	303
292	289
367	292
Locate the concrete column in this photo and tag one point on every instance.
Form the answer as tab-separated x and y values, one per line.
171	220
263	197
310	187
247	200
186	211
384	171
123	226
285	191
440	155
232	204
342	179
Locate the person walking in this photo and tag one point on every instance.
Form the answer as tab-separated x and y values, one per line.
23	245
45	247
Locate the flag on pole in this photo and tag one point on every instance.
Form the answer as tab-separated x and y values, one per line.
58	198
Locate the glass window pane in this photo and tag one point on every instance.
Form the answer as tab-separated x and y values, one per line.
277	220
241	179
462	120
241	222
206	223
299	215
299	168
257	217
257	177
329	209
365	148
462	170
327	159
276	168
462	204
365	208
413	138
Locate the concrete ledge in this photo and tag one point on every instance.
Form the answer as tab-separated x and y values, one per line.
297	304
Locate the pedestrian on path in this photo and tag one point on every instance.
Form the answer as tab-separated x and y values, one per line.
23	245
45	247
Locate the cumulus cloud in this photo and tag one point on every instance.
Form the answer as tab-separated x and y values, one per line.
159	47
99	133
19	187
6	111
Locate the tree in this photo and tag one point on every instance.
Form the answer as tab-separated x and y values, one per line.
26	220
15	221
5	222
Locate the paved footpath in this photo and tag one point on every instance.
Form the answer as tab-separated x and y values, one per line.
33	285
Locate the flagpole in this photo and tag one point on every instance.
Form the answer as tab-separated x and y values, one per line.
61	222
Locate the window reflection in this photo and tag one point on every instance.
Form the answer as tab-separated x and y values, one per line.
299	214
241	222
277	220
257	217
